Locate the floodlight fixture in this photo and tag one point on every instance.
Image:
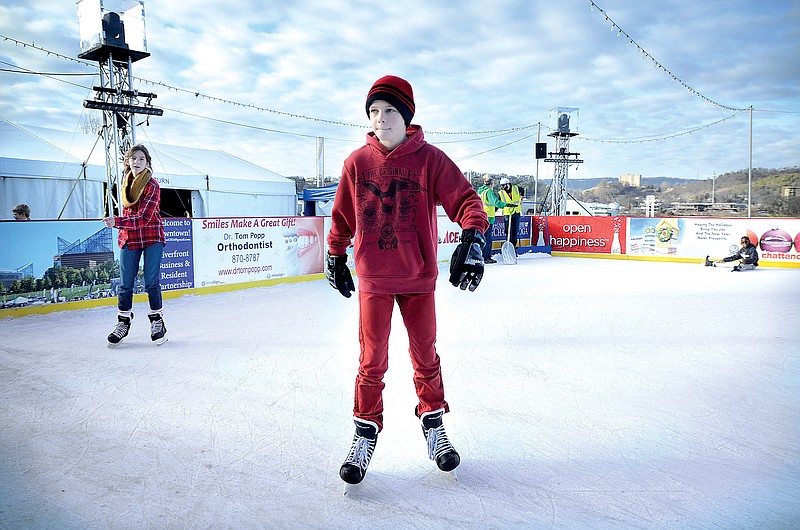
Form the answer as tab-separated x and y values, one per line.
122	108
112	28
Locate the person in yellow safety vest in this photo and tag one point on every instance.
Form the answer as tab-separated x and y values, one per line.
512	195
490	205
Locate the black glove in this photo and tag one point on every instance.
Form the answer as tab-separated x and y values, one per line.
339	275
466	265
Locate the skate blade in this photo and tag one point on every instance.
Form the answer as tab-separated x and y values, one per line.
448	475
159	342
114	345
351	489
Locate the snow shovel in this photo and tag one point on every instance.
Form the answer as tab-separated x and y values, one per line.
508	250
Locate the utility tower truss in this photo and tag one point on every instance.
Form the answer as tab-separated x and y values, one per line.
562	157
112	34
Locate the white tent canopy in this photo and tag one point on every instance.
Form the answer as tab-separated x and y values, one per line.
40	167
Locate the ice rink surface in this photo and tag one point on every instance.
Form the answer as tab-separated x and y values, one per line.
584	393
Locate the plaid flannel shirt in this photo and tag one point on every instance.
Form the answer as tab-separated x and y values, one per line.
140	225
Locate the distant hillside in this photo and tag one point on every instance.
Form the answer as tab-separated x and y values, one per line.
580	185
650	182
767	187
767	191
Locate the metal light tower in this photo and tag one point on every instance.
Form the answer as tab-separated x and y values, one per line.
564	123
112	32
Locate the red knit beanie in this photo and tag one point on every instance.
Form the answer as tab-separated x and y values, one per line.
396	92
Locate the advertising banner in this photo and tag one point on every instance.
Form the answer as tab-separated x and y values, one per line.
498	230
539	229
43	262
449	237
246	249
776	239
177	262
593	235
525	229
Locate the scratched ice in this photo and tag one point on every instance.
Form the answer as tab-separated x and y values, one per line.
584	394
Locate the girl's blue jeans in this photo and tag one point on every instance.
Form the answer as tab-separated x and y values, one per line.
129	268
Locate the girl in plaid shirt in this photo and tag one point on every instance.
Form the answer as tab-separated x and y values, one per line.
141	233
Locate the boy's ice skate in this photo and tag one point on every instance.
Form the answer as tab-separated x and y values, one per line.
157	328
708	262
364	440
121	331
439	447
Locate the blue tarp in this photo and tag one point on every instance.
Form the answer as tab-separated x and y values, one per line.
315	197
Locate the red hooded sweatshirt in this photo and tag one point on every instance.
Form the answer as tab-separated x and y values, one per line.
387	201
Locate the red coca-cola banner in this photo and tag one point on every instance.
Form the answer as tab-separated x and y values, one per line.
596	235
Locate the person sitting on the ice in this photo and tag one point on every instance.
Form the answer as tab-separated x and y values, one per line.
747	257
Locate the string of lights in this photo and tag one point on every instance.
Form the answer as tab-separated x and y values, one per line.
661	137
45	74
48	52
490	136
494	148
226	101
55	76
18	69
320	120
248	126
620	31
486	134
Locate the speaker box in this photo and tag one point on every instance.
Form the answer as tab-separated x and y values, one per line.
541	150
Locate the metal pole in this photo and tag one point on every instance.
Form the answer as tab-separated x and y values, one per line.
114	128
129	101
750	168
536	179
320	161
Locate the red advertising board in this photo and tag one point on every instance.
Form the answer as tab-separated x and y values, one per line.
596	235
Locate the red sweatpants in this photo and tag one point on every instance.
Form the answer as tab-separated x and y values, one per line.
375	322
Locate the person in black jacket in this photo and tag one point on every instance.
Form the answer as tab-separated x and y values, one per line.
747	257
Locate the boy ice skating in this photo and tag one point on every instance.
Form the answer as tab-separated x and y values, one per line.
386	204
747	257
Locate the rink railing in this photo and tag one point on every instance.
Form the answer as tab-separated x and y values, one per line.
52	265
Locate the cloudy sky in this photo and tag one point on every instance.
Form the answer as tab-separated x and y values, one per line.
660	86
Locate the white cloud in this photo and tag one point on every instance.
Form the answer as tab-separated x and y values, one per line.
474	67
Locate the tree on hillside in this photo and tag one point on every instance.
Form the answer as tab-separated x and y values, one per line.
791	207
766	191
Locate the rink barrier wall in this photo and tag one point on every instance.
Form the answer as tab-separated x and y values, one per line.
624	257
142	298
212	255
